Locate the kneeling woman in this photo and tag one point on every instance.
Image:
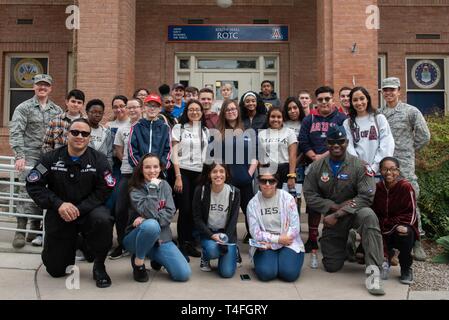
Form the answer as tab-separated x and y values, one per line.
216	206
395	206
274	222
148	233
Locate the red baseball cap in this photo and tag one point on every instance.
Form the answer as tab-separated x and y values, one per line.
153	97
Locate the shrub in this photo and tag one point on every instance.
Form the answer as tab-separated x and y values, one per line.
433	173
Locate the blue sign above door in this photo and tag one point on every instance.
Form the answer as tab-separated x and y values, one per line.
228	33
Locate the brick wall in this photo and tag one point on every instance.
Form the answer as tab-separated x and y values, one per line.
339	26
105	55
407	20
46	35
155	57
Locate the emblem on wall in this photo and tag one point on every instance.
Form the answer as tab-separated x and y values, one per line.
25	70
426	74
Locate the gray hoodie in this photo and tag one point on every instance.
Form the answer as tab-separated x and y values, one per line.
153	201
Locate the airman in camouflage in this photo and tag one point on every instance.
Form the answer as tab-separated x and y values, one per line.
410	132
27	129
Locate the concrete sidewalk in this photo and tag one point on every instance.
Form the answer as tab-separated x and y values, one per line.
23	277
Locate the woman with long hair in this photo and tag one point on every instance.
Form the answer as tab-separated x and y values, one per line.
190	139
216	206
238	152
278	147
368	132
148	234
274	224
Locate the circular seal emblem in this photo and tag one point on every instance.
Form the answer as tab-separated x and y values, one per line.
426	74
25	70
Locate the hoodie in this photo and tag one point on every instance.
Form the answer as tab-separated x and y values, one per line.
270	101
313	133
149	137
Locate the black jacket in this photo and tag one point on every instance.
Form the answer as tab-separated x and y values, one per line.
56	178
201	205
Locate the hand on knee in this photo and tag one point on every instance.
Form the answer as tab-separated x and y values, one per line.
402	230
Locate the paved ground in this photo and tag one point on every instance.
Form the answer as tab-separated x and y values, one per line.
23	277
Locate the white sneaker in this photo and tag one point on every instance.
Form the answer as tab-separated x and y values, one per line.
37	242
205	265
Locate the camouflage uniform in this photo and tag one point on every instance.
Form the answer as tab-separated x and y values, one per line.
26	134
353	182
410	133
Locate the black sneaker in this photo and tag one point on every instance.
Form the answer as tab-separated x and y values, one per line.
117	253
101	276
406	276
140	273
311	245
155	265
190	250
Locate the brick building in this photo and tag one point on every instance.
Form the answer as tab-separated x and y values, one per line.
125	44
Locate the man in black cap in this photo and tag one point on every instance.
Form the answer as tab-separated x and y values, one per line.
341	187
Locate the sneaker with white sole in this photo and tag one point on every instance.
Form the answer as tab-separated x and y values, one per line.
37	242
79	256
205	265
406	276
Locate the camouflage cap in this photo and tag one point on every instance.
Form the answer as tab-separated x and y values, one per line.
43	78
391	82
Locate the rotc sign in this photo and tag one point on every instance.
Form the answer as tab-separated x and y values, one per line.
228	33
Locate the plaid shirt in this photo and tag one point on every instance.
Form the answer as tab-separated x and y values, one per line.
56	134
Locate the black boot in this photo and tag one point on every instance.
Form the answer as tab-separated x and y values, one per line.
101	276
140	273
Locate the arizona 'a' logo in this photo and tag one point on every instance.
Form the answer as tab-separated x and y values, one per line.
276	34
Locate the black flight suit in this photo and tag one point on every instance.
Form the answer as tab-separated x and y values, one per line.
86	183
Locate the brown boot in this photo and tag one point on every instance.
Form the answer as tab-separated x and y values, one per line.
19	238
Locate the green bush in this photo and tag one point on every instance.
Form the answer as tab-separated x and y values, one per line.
433	174
443	257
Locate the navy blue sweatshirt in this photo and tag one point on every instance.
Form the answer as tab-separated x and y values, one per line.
314	131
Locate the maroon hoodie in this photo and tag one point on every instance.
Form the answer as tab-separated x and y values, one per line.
396	206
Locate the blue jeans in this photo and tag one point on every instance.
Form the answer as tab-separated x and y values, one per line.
143	242
283	263
227	263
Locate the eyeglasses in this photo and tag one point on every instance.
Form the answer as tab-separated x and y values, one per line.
336	141
268	181
231	110
392	170
76	133
325	99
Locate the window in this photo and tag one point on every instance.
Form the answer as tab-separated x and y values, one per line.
227	64
20	70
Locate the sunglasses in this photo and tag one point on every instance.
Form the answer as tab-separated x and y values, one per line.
326	99
336	141
268	181
76	133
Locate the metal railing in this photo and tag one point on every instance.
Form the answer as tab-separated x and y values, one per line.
8	199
